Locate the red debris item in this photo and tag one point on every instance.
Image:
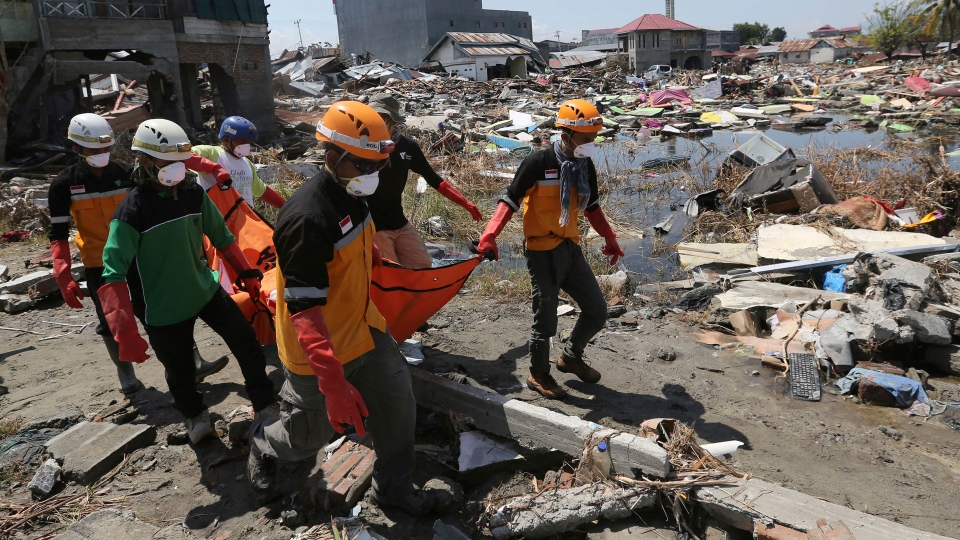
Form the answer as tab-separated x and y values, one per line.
917	84
342	480
18	235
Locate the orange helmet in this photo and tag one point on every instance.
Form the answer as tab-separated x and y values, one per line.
579	115
356	128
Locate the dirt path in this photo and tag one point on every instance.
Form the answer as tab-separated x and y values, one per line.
833	449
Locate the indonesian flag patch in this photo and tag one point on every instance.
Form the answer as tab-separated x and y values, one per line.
551	173
77	190
346	224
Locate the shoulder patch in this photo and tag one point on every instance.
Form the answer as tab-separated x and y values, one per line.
551	173
77	190
346	224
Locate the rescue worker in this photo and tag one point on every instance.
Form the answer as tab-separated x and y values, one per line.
88	192
555	185
236	134
395	236
152	268
340	363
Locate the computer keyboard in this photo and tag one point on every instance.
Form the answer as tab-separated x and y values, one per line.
804	376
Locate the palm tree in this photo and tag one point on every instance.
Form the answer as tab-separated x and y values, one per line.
942	15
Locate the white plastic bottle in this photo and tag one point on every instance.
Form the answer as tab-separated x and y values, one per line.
601	459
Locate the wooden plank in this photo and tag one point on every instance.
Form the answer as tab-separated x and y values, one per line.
535	427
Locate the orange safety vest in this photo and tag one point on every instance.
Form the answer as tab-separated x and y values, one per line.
541	216
92	213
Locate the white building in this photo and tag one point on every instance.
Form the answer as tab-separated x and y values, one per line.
485	56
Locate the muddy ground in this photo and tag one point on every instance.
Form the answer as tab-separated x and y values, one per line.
834	449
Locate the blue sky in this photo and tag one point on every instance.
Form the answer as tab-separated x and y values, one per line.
318	23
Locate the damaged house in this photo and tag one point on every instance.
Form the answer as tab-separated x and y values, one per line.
163	45
483	57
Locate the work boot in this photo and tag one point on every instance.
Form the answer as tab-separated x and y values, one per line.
261	471
129	383
418	503
545	385
204	368
199	427
271	411
578	367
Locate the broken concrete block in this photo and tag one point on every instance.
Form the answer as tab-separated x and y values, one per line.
3	272
67	416
785	242
45	478
945	359
15	303
751	294
543	515
928	328
23	283
89	450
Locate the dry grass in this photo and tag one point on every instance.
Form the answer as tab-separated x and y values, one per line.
8	427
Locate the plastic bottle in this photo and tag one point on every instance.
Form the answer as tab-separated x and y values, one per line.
601	459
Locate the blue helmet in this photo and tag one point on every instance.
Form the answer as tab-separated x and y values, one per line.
238	127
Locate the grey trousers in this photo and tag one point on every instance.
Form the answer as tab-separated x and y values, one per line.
383	379
562	268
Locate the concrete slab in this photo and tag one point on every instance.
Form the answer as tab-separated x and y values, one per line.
744	501
535	427
751	294
693	254
115	524
89	450
799	243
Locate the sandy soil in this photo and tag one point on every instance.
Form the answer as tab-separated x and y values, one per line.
833	449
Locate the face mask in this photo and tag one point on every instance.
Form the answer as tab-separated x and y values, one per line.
98	161
172	174
584	150
364	185
241	150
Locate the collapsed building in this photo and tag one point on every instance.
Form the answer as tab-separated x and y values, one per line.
55	48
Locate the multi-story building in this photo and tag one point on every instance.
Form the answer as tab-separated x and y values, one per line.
603	36
159	43
723	40
657	39
829	31
404	31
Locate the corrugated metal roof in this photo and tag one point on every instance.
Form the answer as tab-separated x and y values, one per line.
567	59
654	21
601	31
852	29
801	45
495	51
481	37
826	28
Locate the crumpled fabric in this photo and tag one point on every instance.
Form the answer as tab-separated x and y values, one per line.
906	391
864	212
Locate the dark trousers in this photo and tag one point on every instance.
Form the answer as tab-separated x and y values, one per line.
383	379
94	282
562	268
174	347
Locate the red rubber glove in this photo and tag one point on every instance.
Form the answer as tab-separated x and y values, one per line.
118	311
247	275
451	193
377	259
272	198
201	164
488	240
61	272
600	224
344	403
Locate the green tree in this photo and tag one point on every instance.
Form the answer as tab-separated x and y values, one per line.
753	33
942	16
889	27
778	34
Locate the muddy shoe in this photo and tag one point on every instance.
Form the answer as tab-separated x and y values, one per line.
418	503
261	471
199	427
546	386
204	368
579	368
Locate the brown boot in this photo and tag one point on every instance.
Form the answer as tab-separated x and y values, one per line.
546	386
579	368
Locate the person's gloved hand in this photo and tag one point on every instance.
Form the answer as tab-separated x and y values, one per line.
451	193
247	276
223	178
487	244
61	271
250	281
612	249
118	311
344	406
599	223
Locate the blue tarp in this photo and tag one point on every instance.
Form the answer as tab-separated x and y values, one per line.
905	390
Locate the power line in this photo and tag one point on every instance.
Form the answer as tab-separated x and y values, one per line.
297	22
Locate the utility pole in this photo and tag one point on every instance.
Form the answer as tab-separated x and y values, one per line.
297	22
559	44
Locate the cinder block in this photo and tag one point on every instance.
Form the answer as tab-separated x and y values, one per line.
89	450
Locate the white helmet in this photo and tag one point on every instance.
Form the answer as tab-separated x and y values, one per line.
162	139
90	130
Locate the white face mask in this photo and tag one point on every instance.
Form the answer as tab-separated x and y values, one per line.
241	150
364	185
98	161
584	150
172	174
